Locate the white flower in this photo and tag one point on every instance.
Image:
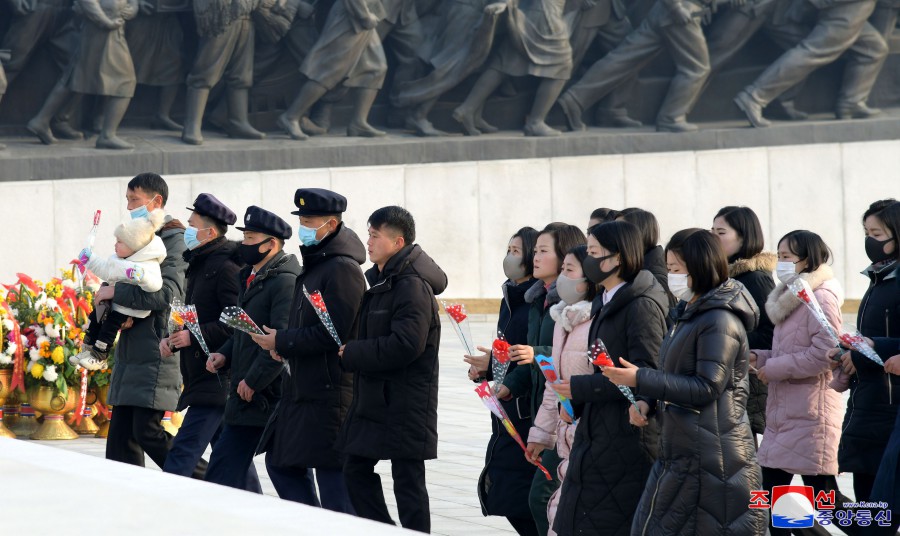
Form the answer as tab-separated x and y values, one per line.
34	354
40	301
68	283
50	373
52	304
5	359
38	331
8	324
11	349
24	340
14	312
40	341
52	331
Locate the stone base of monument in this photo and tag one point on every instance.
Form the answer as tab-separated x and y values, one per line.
135	500
163	152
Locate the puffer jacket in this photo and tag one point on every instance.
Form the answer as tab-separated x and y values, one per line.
874	394
803	414
142	378
701	482
756	276
570	345
611	459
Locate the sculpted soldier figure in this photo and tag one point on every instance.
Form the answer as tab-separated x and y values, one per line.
884	18
156	41
841	26
464	34
536	44
39	23
101	66
225	50
605	21
348	53
671	24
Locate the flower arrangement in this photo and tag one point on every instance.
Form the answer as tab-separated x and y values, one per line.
50	319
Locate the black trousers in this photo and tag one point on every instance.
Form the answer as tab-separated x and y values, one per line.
134	431
367	495
777	477
104	331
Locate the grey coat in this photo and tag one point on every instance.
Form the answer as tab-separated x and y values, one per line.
141	377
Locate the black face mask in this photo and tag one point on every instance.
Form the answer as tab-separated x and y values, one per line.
591	268
875	249
251	254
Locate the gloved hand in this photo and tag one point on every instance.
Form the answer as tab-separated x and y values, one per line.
83	257
135	274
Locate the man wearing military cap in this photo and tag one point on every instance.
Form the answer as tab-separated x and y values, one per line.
212	285
303	433
267	278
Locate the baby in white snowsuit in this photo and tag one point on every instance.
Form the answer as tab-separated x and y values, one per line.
136	261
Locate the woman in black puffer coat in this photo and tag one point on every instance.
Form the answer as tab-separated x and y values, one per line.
741	236
611	459
505	481
701	482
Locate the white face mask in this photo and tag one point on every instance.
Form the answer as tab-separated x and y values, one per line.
678	285
786	271
568	289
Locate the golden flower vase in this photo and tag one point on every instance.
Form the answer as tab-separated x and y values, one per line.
25	423
102	393
53	405
5	379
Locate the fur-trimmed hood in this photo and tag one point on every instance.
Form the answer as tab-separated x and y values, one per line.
568	317
538	291
765	261
782	303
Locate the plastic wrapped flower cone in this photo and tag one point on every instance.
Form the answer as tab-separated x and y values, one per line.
460	322
499	359
552	376
598	355
236	318
318	303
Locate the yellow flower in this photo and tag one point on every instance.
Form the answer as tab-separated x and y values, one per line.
37	371
58	356
45	349
73	333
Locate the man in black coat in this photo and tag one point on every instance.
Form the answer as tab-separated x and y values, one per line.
395	365
303	433
212	285
267	279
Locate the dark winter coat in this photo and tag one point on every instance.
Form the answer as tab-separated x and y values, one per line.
142	378
212	285
317	393
505	481
395	361
874	394
887	482
701	482
756	276
611	459
264	301
527	383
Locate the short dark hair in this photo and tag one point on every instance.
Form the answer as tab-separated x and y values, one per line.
529	237
677	241
565	237
646	223
705	261
745	222
152	184
397	218
220	227
809	247
624	239
580	253
890	218
604	214
876	208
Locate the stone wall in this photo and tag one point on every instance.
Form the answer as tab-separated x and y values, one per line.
465	211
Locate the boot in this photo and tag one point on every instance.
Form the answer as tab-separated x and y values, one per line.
752	109
238	109
163	119
195	105
39	125
359	125
62	122
113	111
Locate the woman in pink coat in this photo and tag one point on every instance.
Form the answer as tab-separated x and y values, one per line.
552	425
803	415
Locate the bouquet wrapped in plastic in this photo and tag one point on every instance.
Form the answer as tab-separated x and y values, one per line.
500	361
598	355
801	289
459	321
236	318
315	298
552	376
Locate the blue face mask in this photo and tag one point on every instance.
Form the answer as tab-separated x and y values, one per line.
307	235
190	238
141	212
